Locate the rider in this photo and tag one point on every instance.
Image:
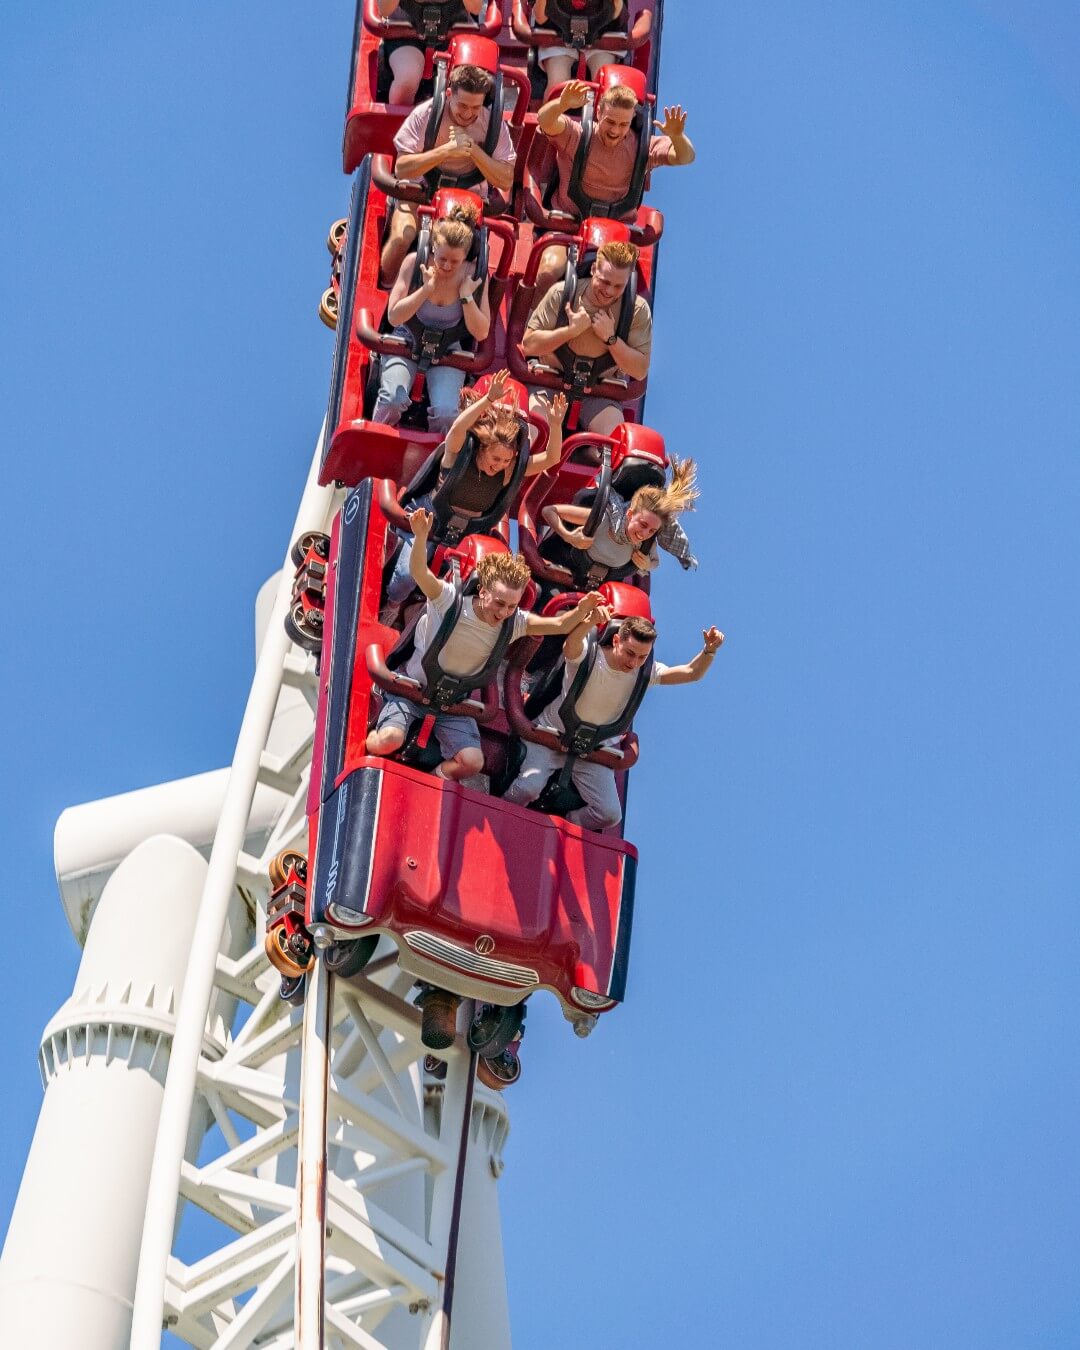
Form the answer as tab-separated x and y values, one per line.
603	697
626	528
458	149
609	165
559	61
404	56
585	323
501	581
496	425
449	296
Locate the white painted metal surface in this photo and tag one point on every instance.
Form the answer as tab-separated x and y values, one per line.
333	1232
67	1275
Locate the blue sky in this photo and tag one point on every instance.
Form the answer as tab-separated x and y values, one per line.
839	1108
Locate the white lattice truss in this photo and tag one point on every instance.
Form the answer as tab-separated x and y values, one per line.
379	1130
318	1113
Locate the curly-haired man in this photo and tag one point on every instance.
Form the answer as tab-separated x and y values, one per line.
501	581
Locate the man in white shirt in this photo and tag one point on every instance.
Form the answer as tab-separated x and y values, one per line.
486	618
603	698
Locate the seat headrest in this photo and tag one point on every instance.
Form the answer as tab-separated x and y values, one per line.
625	601
632	440
446	199
611	76
469	49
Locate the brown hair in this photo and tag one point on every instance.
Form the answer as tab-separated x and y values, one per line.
509	568
619	96
456	229
679	495
470	80
643	630
617	253
496	423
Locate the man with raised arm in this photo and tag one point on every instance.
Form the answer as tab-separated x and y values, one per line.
609	165
458	149
609	687
585	324
501	581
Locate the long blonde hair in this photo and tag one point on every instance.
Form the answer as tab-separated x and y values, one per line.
677	496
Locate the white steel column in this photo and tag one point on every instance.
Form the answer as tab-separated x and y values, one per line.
311	1165
164	1188
67	1275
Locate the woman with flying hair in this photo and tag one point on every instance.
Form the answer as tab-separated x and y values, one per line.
448	297
495	422
625	535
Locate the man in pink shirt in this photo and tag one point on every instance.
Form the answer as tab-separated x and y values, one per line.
609	166
458	149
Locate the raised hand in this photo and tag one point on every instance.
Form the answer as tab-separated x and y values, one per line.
603	325
469	286
578	320
575	94
712	638
496	390
674	122
557	410
427	271
592	610
420	522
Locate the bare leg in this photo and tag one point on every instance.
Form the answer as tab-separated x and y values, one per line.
385	741
558	70
407	63
399	238
552	270
606	420
464	764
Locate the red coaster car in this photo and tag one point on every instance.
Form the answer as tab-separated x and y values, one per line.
483	898
355	447
591	25
631	457
579	377
540	174
371	121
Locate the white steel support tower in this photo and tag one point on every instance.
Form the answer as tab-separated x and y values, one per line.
352	1193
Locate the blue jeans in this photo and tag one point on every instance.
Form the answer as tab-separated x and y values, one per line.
401	585
396	377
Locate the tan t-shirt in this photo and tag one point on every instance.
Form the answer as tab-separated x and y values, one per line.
550	314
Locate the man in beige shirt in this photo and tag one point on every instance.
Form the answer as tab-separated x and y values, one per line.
584	326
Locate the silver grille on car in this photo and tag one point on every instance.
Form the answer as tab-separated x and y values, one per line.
450	954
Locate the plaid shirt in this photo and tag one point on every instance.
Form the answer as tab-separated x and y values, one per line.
672	537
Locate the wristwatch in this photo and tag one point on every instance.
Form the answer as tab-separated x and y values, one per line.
611	341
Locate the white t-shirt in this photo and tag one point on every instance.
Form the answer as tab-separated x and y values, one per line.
468	646
607	692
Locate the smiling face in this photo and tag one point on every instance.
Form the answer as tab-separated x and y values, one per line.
495	458
464	108
613	125
628	653
607	282
642	525
496	603
447	260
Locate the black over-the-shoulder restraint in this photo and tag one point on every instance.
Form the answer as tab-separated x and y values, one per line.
580	22
437	178
578	736
442	689
433	19
632	197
